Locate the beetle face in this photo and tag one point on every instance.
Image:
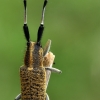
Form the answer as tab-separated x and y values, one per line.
37	55
34	55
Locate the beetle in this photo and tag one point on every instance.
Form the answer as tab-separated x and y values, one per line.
38	61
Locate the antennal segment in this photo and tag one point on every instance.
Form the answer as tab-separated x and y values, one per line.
41	27
43	11
25	27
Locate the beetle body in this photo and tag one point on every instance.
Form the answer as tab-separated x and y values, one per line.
33	84
38	61
33	74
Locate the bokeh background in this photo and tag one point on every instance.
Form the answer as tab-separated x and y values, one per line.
74	28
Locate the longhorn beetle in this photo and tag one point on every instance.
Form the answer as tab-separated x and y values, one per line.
35	72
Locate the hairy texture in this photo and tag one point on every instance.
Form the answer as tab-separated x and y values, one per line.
37	56
32	74
33	56
34	78
27	56
33	83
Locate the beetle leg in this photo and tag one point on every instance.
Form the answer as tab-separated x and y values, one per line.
47	48
47	97
18	97
53	69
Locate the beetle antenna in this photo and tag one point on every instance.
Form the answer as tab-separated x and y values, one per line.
25	27
41	27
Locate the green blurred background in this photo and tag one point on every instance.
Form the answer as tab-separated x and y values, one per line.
74	28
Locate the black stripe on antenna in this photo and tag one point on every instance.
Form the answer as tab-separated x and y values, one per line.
41	27
25	27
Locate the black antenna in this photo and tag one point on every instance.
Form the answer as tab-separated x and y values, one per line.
25	27
41	27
